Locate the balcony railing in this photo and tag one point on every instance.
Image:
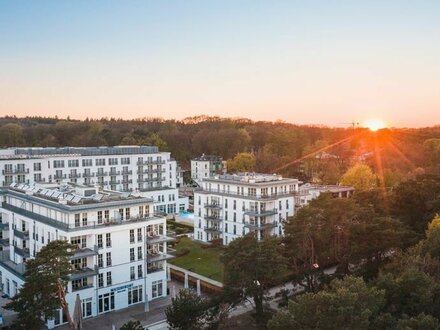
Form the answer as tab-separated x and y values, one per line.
82	273
24	252
112	182
4	242
153	239
257	226
248	196
151	179
59	177
88	175
212	217
114	172
260	212
213	229
16	171
158	256
213	206
24	235
150	162
101	173
74	175
82	287
71	226
4	226
126	181
130	172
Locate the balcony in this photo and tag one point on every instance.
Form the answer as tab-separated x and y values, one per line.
24	252
88	175
155	269
216	206
4	226
85	252
158	256
130	172
24	235
260	213
126	181
213	217
102	174
82	287
153	239
74	175
114	172
150	162
151	179
112	182
59	177
78	274
213	230
246	196
16	171
4	242
147	171
256	226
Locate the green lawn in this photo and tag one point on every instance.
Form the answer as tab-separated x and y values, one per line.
204	261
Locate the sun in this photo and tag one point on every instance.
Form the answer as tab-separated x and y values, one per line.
374	124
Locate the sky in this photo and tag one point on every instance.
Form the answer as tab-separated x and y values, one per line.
306	62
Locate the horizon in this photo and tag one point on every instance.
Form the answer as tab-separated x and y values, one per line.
305	63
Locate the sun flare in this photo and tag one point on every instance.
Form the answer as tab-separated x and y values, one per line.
374	124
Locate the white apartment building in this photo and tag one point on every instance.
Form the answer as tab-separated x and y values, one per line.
308	192
122	254
206	166
230	206
141	169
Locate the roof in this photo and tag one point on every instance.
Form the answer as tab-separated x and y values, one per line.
251	178
211	158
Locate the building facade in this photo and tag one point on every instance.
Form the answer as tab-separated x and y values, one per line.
206	166
230	206
121	253
141	169
308	192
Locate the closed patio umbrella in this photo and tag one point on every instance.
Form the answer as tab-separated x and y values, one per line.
77	314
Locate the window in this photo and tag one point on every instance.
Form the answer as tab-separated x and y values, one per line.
121	213
113	161
78	284
99	217
100	280
107	215
87	162
100	162
100	241
131	254
79	263
106	302
109	278
77	220
235	204
108	240
109	259
135	294
139	234
37	166
127	213
157	289
139	252
86	307
131	235
125	161
132	273
139	271
58	163
84	219
73	163
100	260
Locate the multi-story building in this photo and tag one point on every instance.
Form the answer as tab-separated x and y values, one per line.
121	253
206	166
141	169
308	192
230	206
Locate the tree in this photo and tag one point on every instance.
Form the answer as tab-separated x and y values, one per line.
43	291
132	325
189	311
242	162
359	176
251	267
345	304
11	135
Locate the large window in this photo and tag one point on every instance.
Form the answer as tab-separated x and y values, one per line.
87	307
106	302
157	289
135	295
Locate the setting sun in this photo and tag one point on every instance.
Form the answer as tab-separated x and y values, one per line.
374	124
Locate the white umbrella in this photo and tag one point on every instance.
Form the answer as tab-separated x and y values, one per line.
77	314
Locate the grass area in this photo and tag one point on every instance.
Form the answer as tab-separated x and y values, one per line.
179	228
204	261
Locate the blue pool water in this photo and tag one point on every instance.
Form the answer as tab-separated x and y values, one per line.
186	215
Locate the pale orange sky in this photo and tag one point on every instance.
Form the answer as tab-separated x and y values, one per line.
313	63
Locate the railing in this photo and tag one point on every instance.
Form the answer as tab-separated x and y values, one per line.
159	239
58	177
213	229
24	252
150	162
4	241
126	181
212	217
130	172
101	173
158	256
4	226
88	175
82	287
74	175
70	226
151	179
82	273
114	172
16	171
112	182
260	212
255	225
24	235
249	196
213	205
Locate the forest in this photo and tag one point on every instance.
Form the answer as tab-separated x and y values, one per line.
310	153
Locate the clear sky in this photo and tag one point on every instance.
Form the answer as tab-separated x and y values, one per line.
308	62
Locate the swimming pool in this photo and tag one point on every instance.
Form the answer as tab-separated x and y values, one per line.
186	215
